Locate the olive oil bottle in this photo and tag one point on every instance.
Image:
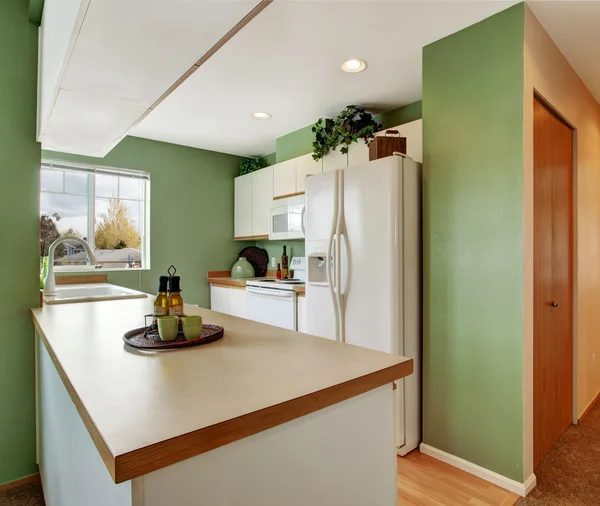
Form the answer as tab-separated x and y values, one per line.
161	303
175	299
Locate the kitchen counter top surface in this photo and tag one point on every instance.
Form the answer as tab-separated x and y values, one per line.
145	411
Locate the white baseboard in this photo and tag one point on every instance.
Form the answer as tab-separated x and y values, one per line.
481	472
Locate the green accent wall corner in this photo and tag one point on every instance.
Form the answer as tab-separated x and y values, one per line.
401	115
294	144
268	160
19	254
36	9
473	243
191	212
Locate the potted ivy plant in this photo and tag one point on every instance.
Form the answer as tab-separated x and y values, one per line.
249	165
351	125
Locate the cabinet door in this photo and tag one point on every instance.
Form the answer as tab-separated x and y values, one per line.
284	179
358	152
219	299
237	302
262	195
301	314
243	206
335	160
306	166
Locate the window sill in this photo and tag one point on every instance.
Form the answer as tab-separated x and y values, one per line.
88	270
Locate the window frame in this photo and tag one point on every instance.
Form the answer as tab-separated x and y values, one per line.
83	168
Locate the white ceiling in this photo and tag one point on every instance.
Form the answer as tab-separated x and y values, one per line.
575	28
286	62
126	54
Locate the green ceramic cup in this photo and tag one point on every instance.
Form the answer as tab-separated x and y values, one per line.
168	326
192	327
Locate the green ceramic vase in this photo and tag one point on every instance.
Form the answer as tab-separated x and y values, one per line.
242	269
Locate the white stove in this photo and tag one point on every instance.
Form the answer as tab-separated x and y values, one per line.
273	301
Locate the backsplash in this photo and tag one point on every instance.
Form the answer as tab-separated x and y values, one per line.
295	248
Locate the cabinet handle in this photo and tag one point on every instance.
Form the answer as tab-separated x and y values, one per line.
554	303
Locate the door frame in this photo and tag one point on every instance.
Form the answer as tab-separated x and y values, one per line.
574	267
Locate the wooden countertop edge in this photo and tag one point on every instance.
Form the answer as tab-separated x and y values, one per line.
151	458
227	282
105	453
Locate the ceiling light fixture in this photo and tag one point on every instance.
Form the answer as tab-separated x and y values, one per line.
261	115
354	66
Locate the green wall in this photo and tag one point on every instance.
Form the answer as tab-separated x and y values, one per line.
191	212
299	142
275	249
19	257
473	243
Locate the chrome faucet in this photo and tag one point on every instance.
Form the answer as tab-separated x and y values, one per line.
50	282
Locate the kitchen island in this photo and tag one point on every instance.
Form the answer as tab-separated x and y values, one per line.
264	416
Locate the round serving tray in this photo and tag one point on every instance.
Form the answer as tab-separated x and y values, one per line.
150	340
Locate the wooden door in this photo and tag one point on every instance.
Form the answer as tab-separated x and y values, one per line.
553	292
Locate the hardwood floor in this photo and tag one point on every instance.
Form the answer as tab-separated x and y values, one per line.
423	480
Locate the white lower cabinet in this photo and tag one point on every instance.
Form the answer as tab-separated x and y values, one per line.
219	299
228	300
237	302
301	314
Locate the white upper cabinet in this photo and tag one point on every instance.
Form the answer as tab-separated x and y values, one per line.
358	152
306	166
243	206
335	159
284	179
262	195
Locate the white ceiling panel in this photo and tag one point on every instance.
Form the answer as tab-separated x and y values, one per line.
287	62
88	124
134	50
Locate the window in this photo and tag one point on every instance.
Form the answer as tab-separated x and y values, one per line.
108	208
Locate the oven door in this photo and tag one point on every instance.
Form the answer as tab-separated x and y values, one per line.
273	307
287	222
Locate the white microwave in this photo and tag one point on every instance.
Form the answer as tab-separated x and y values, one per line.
286	218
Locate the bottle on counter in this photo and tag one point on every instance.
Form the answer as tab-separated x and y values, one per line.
161	303
284	264
278	274
175	299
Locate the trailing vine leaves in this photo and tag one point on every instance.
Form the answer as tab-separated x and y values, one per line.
352	124
325	137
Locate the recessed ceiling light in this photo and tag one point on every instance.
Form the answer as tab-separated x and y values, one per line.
261	115
354	66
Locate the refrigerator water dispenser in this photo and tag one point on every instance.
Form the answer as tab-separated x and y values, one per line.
317	268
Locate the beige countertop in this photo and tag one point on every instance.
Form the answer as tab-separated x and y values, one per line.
148	411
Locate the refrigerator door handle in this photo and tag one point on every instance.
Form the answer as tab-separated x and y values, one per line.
338	257
333	281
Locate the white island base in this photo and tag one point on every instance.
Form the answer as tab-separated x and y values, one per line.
342	455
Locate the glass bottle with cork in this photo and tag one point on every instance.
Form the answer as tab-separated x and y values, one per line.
284	264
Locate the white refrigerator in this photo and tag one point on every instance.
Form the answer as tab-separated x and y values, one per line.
363	247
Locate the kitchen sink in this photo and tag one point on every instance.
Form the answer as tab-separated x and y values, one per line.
68	294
